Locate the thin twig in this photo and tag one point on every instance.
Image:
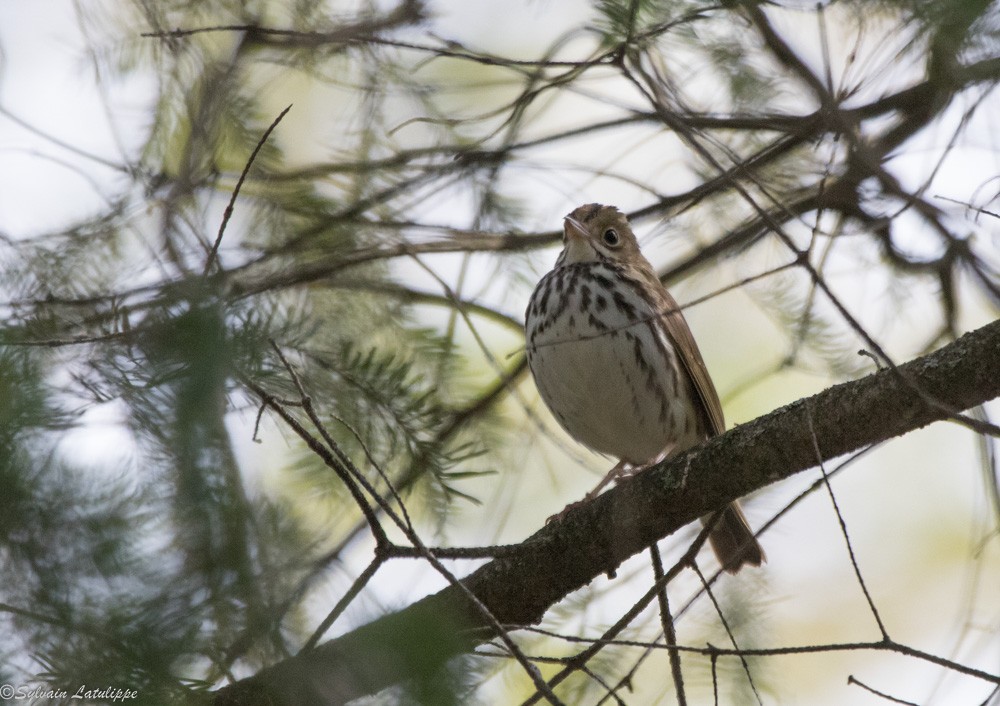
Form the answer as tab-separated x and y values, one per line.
843	524
404	513
359	583
326	455
714	658
711	650
851	679
669	632
227	214
610	692
729	631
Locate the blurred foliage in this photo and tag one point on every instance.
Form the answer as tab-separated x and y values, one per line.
182	565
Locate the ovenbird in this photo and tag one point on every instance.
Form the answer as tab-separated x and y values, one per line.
615	361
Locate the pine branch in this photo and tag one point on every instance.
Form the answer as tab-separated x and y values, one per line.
597	537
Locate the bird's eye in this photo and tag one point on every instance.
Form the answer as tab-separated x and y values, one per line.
611	237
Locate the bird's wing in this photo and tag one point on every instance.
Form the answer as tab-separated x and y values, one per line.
678	331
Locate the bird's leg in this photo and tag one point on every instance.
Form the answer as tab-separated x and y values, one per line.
621	470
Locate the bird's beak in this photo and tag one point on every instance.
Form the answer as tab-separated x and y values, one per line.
573	229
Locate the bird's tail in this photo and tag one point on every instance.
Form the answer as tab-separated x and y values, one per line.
732	540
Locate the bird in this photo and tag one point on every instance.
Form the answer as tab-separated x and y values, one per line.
614	360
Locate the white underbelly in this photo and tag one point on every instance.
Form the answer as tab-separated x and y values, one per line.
608	384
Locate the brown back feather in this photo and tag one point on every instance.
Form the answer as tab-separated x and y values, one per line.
680	333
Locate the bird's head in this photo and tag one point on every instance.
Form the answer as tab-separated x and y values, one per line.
595	233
